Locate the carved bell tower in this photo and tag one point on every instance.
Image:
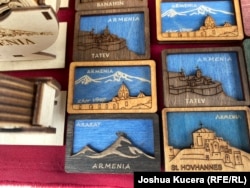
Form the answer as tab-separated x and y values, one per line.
123	92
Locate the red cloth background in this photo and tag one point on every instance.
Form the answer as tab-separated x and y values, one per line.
43	166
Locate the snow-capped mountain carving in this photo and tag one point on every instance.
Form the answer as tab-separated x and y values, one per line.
116	77
201	10
85	80
121	147
172	13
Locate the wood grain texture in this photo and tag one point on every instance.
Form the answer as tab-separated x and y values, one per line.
44	105
182	89
116	158
208	150
207	31
246	46
108	4
16	83
23	103
122	100
106	43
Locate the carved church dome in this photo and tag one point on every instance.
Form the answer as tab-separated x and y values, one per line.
209	22
123	92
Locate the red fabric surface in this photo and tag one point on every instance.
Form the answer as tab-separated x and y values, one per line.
43	166
246	16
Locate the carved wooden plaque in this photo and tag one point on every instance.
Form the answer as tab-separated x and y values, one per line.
206	139
200	20
112	143
245	9
112	87
108	4
205	77
120	34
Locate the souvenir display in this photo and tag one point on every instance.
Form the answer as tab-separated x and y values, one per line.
128	87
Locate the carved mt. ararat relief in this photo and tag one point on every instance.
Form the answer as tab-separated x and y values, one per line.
121	147
116	77
212	22
201	10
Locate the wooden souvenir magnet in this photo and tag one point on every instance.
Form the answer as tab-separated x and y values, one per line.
112	143
108	4
206	139
205	77
245	9
192	20
119	34
112	87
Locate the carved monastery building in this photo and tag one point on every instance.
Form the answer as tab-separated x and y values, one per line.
123	100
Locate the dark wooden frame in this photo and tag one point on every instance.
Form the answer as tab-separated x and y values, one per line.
246	46
170	101
79	55
81	164
113	4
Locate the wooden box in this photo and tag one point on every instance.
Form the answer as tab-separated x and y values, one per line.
112	143
245	9
207	139
108	4
198	20
209	77
112	87
32	111
119	34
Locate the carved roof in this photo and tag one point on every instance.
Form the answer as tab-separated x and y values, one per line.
209	22
204	130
